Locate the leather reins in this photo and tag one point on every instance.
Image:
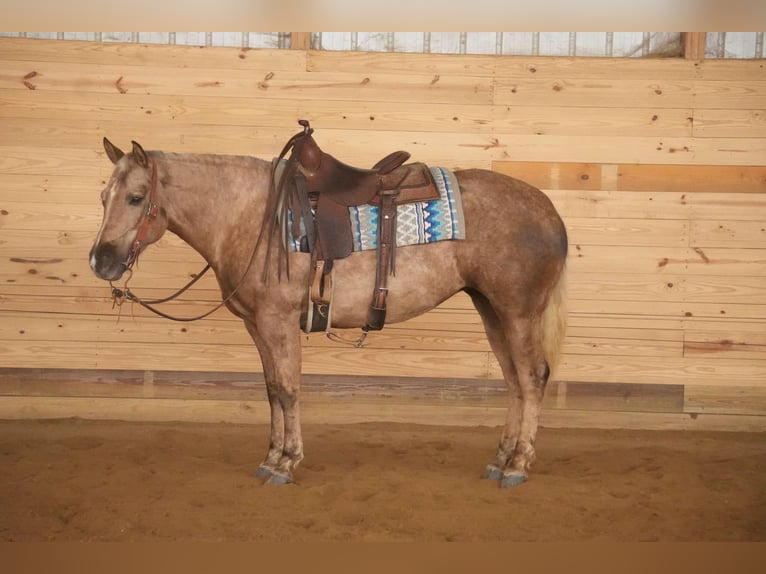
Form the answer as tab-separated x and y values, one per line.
120	295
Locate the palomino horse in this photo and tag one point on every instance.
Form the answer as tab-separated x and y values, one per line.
511	264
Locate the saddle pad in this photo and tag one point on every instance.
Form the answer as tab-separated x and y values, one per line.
416	223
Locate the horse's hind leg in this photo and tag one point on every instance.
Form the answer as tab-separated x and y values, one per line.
532	370
518	345
499	344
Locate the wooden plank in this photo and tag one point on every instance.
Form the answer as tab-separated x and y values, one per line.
98	303
627	232
725	289
147	109
654	326
692	178
666	309
670	370
323	412
21	215
731	234
111	79
64	132
638	177
34	243
401	63
180	57
725	326
48	161
673	260
729	95
657	421
35	136
724	348
614	397
725	399
300	40
505	66
660	205
583	122
81	189
608	346
614	332
67	293
726	207
613	92
691	289
240	358
56	271
601	93
729	123
557	175
393	116
631	150
607	285
724	70
554	68
694	45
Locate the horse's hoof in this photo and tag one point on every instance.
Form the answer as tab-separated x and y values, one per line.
512	479
264	471
492	473
277	478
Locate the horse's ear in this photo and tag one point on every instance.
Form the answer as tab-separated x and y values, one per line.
140	155
112	151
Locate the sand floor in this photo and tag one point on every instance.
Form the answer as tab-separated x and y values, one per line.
77	480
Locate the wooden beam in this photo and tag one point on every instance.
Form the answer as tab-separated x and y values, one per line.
694	45
335	412
300	40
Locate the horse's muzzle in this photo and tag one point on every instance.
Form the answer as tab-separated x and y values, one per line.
106	262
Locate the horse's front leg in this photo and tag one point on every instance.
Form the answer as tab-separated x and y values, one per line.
280	352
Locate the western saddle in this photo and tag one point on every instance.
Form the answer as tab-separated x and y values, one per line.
317	189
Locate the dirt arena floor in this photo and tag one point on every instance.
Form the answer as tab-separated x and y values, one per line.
78	480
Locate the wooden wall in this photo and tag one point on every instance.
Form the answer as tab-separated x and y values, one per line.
657	167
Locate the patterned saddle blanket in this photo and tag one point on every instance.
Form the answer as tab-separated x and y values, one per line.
416	223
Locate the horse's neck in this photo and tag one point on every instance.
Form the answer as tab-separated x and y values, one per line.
213	198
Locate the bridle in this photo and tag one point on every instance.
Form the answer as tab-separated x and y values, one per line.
150	215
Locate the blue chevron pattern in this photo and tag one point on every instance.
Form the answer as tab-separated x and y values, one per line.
416	223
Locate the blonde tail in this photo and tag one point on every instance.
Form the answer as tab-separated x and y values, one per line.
554	322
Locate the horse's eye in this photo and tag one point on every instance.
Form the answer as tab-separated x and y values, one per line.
135	200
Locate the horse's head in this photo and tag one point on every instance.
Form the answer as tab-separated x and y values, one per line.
133	218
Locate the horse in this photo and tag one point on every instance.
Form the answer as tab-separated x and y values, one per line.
511	263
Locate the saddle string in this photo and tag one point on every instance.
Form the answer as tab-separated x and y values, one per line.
276	212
